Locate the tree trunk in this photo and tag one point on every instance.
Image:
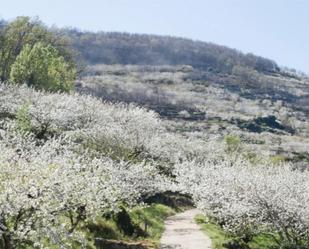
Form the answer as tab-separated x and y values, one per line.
7	241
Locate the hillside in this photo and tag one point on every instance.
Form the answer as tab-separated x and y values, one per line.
200	88
252	76
225	132
125	48
249	75
204	108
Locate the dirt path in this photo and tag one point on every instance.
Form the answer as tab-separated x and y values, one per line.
183	233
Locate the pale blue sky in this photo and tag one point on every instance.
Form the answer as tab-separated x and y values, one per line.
277	29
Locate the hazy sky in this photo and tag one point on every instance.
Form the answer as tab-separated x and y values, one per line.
277	29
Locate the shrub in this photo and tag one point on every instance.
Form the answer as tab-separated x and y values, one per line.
23	119
249	199
27	31
42	67
232	143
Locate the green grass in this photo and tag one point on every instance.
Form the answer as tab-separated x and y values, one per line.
151	220
107	229
262	241
148	224
219	237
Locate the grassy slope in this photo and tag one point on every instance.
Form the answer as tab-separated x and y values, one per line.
151	220
219	237
215	233
148	223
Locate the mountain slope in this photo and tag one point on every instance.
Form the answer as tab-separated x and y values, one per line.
125	48
253	76
203	104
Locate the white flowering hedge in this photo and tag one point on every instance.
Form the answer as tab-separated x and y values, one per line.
249	199
51	179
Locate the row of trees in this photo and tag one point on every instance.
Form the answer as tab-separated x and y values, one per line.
250	198
67	159
125	48
32	54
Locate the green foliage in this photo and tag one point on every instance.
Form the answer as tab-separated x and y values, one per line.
142	223
222	239
23	60
42	67
151	219
263	241
104	228
278	159
290	245
23	119
252	157
13	38
214	231
233	143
